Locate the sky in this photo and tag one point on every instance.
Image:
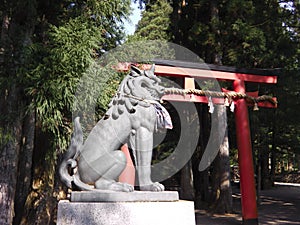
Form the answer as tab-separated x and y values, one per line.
134	17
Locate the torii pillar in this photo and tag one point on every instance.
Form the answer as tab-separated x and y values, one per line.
247	182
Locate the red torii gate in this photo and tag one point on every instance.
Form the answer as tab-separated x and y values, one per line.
190	71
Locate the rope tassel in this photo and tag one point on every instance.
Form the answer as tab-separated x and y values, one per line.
232	107
255	108
226	103
210	105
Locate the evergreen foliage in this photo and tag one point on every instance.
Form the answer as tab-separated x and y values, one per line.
155	22
46	47
86	31
152	33
249	34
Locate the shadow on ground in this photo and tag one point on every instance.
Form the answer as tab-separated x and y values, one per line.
279	205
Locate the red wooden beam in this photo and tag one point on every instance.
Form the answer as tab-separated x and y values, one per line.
209	74
162	70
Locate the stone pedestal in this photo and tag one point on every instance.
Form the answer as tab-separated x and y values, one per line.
113	196
125	213
133	212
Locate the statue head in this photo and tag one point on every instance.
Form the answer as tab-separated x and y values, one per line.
145	84
139	87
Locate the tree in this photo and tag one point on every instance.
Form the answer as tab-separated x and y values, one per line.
155	22
285	131
15	37
210	15
152	32
250	34
45	48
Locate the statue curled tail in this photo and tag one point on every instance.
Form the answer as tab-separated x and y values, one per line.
69	162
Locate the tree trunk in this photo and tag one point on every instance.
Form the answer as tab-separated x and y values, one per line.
221	188
201	181
273	150
221	195
216	53
17	27
10	147
201	178
264	153
25	165
264	164
41	201
187	182
186	179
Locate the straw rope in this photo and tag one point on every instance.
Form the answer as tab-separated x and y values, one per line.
217	94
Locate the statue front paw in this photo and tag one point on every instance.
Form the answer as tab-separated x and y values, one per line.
153	187
104	184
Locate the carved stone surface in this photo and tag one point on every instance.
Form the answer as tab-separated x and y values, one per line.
112	196
133	115
126	213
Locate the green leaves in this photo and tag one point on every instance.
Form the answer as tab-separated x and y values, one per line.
250	44
155	22
74	44
151	37
86	29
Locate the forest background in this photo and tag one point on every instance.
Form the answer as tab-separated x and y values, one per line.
46	46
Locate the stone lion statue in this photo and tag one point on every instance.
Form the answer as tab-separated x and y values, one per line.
134	114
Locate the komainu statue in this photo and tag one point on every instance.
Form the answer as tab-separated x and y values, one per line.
134	114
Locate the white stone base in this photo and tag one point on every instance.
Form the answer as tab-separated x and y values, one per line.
125	213
134	196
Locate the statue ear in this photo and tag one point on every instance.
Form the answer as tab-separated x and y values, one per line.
135	70
152	69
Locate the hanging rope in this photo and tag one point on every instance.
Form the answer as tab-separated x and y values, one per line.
229	96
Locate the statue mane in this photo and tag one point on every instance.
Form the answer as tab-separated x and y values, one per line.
135	89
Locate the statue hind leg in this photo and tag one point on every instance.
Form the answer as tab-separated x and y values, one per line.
110	166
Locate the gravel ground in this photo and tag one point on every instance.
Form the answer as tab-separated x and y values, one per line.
279	205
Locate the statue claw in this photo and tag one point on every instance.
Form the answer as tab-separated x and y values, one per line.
153	187
113	186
